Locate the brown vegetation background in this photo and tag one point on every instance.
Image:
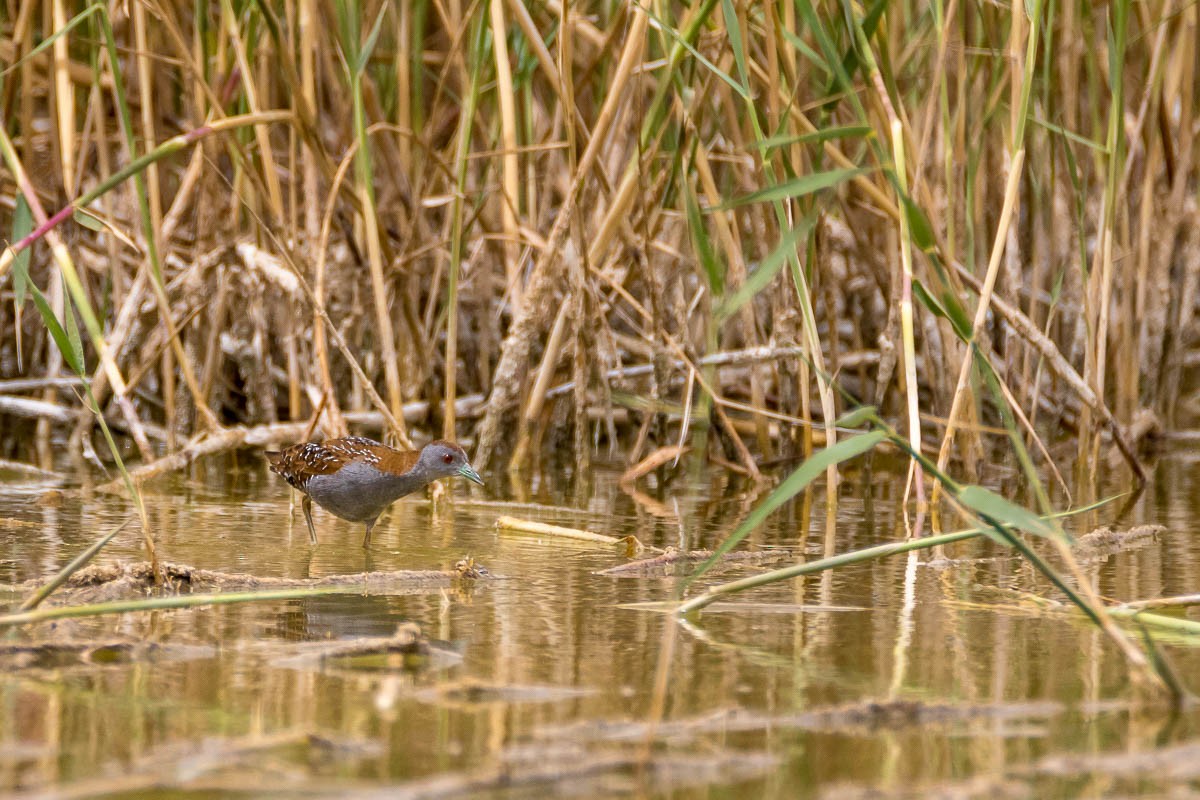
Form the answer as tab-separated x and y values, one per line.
540	225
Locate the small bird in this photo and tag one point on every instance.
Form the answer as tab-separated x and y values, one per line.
357	478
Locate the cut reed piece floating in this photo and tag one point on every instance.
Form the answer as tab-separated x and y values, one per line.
514	525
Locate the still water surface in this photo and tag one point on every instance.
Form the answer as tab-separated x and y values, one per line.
891	678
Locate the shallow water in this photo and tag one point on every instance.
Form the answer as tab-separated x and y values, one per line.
893	677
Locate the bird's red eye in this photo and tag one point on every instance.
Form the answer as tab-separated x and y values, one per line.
449	459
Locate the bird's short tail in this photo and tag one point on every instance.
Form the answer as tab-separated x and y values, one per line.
273	458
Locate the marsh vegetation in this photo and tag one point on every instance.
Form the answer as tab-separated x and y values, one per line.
730	273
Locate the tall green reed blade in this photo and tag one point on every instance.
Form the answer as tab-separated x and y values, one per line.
999	514
710	262
830	134
798	187
70	344
22	226
765	273
49	41
984	365
1158	659
846	559
714	269
682	42
479	57
810	470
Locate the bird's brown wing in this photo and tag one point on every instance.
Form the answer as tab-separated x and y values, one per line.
300	462
369	451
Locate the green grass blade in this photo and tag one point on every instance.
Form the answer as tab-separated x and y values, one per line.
857	417
795	483
72	328
990	505
953	312
51	39
70	569
714	269
734	28
364	55
846	559
87	220
168	602
683	41
22	227
919	227
758	280
50	319
798	187
816	137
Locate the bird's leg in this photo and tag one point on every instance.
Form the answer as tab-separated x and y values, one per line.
367	538
306	504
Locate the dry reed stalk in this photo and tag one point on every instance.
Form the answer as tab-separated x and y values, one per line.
509	198
615	74
541	386
906	324
1063	369
981	310
515	350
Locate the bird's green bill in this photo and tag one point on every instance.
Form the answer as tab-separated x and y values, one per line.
468	472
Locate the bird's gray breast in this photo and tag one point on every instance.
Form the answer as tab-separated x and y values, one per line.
357	491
